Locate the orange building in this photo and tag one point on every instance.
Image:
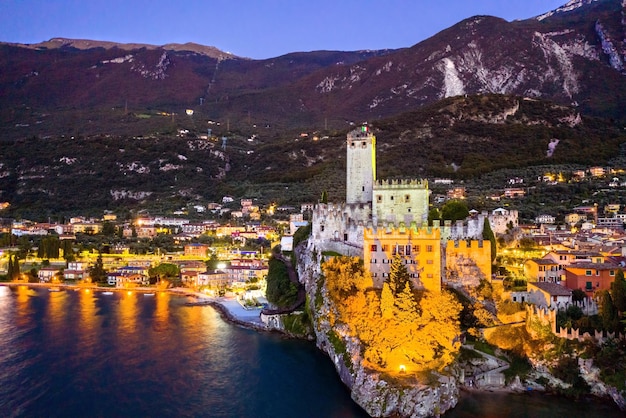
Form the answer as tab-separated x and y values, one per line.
420	249
590	277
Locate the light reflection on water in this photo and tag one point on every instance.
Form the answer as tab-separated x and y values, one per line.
79	353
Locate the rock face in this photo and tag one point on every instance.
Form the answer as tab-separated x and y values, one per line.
377	396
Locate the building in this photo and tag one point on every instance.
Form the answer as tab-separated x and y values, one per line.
549	295
501	220
197	250
360	166
383	219
590	277
545	219
543	270
514	192
419	249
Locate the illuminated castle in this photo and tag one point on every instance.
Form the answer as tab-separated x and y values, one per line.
381	218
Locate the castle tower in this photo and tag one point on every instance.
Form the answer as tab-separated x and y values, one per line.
360	165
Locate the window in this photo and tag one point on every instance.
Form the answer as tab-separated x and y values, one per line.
587	272
374	261
611	272
408	210
429	248
373	248
407	250
385	248
379	198
597	272
352	144
429	262
429	275
588	286
364	144
322	228
407	198
416	248
391	197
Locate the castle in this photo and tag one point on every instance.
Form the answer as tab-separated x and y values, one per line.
384	218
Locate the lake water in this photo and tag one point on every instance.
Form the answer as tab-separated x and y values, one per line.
87	354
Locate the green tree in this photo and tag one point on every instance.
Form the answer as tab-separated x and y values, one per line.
618	292
280	292
454	210
433	214
165	271
489	235
108	229
324	197
96	272
398	275
608	312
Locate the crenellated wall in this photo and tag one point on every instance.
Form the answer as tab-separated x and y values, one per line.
467	262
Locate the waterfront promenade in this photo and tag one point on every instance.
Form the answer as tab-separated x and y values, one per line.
229	307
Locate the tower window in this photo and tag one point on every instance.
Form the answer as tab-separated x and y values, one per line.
379	198
407	198
363	188
391	197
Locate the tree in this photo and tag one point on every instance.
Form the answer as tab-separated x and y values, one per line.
324	197
578	295
165	271
454	210
398	275
280	292
96	272
489	235
608	312
433	214
618	292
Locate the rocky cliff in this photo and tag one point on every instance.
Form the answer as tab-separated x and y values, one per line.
376	394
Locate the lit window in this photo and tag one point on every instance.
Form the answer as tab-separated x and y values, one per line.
429	248
429	261
373	248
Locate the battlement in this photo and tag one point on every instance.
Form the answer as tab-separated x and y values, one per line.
390	231
463	245
401	184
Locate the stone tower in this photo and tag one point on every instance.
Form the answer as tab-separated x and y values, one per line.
360	165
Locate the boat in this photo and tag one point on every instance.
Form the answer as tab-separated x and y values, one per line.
54	289
148	294
107	293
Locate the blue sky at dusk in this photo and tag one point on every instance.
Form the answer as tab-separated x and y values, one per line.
252	28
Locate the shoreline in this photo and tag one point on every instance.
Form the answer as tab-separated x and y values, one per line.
229	309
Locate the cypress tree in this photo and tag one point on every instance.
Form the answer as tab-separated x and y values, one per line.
488	234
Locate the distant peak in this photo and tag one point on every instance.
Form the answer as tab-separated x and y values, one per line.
568	7
89	44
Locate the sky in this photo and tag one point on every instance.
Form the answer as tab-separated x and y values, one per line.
256	29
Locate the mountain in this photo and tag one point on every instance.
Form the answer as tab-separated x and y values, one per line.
573	55
458	137
90	125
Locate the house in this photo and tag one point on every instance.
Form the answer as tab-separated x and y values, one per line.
213	279
545	219
501	219
549	295
197	250
542	270
456	193
597	171
514	192
47	274
590	277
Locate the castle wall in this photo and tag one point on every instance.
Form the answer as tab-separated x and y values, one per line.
419	249
498	220
467	263
398	201
340	222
